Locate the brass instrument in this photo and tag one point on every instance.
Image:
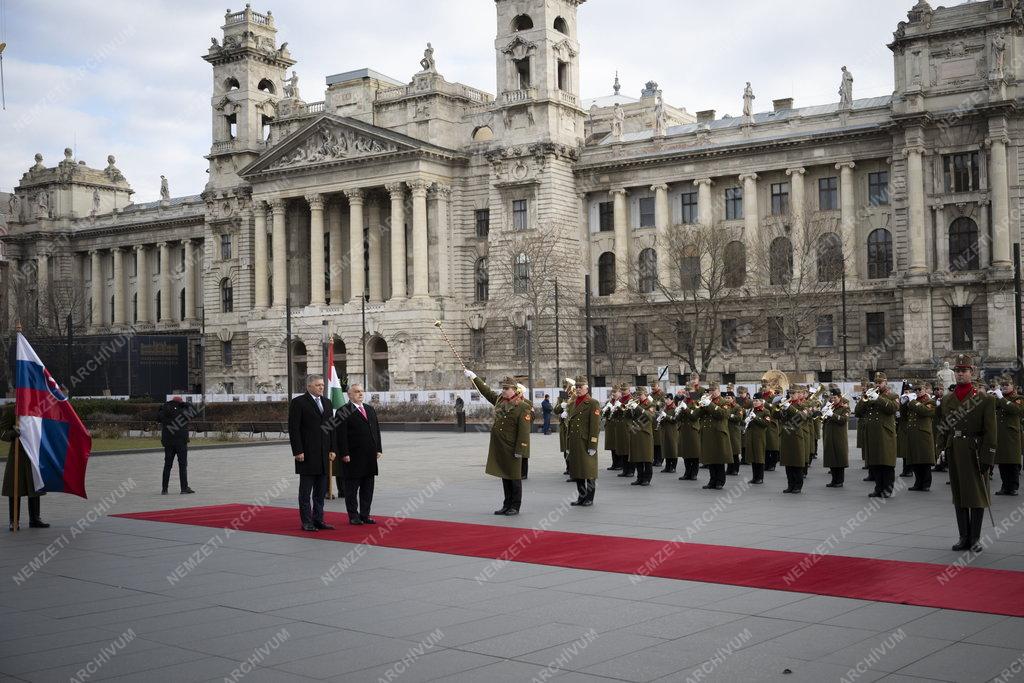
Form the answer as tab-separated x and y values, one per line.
776	380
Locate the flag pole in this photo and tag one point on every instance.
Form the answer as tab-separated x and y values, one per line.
16	483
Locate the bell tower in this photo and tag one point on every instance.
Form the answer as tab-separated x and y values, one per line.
537	59
248	81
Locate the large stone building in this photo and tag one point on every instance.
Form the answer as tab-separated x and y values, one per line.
924	186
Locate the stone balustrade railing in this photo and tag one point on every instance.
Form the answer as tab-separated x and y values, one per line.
524	95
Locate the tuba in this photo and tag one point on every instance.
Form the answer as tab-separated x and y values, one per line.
777	380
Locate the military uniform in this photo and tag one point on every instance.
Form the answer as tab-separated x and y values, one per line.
835	452
937	436
1009	410
736	417
902	435
510	442
668	428
688	419
970	432
792	437
610	426
715	444
878	417
583	430
657	398
25	485
919	456
560	407
640	423
756	436
624	441
772	438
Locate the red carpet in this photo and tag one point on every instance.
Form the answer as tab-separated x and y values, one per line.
973	589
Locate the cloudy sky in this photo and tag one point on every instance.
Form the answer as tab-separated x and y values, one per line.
125	77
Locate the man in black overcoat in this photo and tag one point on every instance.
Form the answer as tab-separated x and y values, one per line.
311	433
357	435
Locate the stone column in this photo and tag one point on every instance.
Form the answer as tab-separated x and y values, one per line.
998	178
119	317
280	245
798	220
442	195
317	289
620	221
335	250
96	288
420	253
662	219
190	281
848	217
142	283
751	216
42	280
375	247
260	293
355	249
918	263
399	288
166	297
705	207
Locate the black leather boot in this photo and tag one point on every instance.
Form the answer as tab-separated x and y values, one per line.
963	525
977	517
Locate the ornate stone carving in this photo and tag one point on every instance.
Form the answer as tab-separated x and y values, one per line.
327	144
846	90
165	193
427	63
291	86
519	48
748	101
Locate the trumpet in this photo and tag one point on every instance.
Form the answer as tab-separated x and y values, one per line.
705	401
632	405
661	416
871	394
828	410
750	418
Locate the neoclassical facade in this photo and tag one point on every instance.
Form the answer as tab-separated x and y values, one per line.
390	205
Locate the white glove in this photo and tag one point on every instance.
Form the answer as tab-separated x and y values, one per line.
998	393
592	452
518	455
564	415
469	374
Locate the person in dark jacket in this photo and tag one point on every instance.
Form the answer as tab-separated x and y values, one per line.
545	408
25	488
311	435
357	437
175	417
460	414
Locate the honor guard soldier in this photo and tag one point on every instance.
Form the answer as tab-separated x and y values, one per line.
561	413
584	427
1009	410
640	423
755	435
772	440
877	412
611	426
510	438
835	417
969	427
715	444
657	398
736	417
792	435
688	418
938	391
624	440
668	428
919	420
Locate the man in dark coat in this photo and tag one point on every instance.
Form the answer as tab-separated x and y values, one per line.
26	488
877	412
545	409
357	437
312	439
1009	409
174	417
583	428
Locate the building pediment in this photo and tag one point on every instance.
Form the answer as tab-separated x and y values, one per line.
333	139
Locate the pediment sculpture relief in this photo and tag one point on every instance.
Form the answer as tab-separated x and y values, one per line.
328	144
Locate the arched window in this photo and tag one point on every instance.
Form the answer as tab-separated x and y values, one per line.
561	26
522	22
648	270
735	257
482	279
231	83
520	274
689	268
227	297
780	256
606	274
830	257
266	85
483	134
963	245
879	254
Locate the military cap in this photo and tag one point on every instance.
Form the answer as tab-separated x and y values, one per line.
509	382
964	361
880	377
581	380
1007	380
835	391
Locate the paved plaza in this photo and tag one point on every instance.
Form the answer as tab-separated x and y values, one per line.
105	598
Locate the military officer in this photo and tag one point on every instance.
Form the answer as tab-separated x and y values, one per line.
756	437
878	415
640	417
792	437
510	438
624	440
583	429
919	420
668	428
1009	410
969	428
715	444
688	418
835	418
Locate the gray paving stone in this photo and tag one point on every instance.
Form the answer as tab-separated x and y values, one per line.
964	662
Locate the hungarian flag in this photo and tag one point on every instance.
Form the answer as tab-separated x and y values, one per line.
334	393
54	439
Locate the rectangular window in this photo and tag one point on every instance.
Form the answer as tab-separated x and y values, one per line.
960	172
640	340
599	381
729	326
640	380
962	328
476	344
647	212
563	75
828	194
519	217
874	329
606	216
182	254
780	199
824	376
689	200
684	336
600	339
776	333
226	354
728	378
825	335
734	204
519	342
225	247
878	188
483	222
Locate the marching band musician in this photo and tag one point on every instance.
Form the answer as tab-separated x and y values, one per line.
745	403
561	414
583	428
792	433
772	442
877	411
624	441
835	418
757	424
688	418
669	429
1009	409
641	416
920	454
736	417
940	457
657	397
611	428
715	445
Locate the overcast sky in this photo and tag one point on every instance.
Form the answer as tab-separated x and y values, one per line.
125	77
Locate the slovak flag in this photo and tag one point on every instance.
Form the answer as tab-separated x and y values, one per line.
54	438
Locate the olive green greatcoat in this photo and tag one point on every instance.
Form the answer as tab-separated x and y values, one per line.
834	430
969	428
756	436
556	418
715	444
689	431
608	426
669	430
793	436
510	433
25	484
918	419
1008	417
879	420
583	429
736	417
657	402
640	425
772	438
